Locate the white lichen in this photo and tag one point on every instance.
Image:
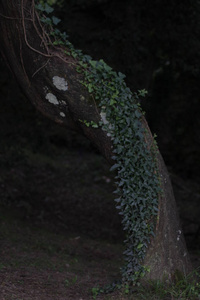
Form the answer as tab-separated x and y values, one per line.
178	235
110	126
45	88
60	83
82	98
62	114
52	98
103	118
63	102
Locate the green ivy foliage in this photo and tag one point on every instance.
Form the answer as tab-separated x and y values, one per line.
135	163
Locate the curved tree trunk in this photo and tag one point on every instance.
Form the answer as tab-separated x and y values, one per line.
35	66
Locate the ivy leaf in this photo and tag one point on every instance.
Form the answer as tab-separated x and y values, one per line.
44	8
39	7
48	9
142	92
112	102
90	88
118	200
93	63
94	125
138	113
55	20
47	21
121	76
114	167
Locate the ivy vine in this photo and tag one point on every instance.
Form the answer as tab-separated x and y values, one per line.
137	181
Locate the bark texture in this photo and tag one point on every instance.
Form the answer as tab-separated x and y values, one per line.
35	66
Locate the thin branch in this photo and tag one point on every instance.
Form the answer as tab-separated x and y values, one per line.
12	18
33	49
40	68
25	36
21	57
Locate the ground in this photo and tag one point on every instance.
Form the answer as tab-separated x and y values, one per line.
38	263
60	234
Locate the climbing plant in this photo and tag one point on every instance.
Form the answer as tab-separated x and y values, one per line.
135	161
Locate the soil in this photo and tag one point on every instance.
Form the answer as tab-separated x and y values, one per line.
38	263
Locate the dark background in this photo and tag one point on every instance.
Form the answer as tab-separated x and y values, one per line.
156	44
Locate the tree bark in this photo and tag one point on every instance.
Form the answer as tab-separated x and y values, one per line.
35	65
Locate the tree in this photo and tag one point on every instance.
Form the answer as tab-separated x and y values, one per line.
88	96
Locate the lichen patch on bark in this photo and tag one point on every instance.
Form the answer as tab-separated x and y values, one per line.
62	114
103	117
60	83
82	98
178	235
63	102
52	98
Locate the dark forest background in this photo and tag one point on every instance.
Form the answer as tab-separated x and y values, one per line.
156	44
